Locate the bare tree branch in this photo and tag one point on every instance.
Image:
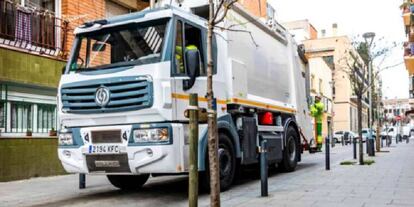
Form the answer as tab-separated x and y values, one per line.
239	30
227	7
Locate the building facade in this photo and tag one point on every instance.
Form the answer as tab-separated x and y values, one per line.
32	55
407	8
337	49
396	110
328	78
35	39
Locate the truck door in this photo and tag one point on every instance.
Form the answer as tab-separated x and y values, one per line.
187	37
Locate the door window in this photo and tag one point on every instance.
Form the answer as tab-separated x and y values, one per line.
189	39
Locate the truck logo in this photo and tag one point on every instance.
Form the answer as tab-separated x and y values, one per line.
102	96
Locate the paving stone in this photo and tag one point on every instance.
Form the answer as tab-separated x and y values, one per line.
388	182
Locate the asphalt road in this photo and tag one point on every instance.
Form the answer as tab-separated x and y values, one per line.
309	185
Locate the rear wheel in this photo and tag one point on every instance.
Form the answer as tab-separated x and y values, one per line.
227	164
128	182
290	153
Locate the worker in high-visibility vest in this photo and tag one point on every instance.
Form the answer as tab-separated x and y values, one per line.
179	53
317	110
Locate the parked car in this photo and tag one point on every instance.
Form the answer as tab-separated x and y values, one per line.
365	134
390	132
346	135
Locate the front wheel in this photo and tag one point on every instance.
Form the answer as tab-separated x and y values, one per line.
227	164
290	153
128	182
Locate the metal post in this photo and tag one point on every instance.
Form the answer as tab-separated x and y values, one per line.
263	168
355	148
373	147
82	181
327	158
193	154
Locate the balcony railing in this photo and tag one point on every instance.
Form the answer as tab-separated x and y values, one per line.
32	30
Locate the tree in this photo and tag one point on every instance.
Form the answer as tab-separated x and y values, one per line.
357	62
217	13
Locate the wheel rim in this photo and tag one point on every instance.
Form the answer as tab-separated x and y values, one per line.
291	149
225	161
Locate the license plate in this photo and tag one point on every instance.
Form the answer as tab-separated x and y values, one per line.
103	149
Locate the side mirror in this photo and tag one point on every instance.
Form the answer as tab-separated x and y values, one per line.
193	67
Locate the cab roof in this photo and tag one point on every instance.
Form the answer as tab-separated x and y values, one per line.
141	16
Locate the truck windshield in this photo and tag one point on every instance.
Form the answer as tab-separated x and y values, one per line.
127	45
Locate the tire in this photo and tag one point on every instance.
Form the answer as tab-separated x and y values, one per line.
227	160
128	182
336	140
290	152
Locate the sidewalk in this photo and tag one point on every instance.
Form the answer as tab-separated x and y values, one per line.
388	182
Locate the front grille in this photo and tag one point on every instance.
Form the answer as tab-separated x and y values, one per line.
108	163
102	137
126	93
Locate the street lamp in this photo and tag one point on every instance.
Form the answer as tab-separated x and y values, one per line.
369	39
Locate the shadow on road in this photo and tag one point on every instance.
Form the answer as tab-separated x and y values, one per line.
168	190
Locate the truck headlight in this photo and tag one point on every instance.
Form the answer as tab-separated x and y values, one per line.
151	135
65	139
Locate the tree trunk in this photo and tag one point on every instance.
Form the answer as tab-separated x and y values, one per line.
361	146
378	138
212	118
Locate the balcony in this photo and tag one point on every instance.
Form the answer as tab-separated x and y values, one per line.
34	31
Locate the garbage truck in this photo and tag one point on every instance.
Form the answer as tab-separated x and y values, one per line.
123	95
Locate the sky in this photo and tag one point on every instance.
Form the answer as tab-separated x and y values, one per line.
355	17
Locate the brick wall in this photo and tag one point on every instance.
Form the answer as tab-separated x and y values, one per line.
257	8
80	11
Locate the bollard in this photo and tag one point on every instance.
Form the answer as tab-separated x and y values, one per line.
327	158
408	140
82	181
263	168
373	147
193	152
355	148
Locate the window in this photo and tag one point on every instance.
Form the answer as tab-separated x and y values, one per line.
2	114
21	116
179	53
127	45
46	118
192	40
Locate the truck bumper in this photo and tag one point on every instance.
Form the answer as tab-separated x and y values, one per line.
140	158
